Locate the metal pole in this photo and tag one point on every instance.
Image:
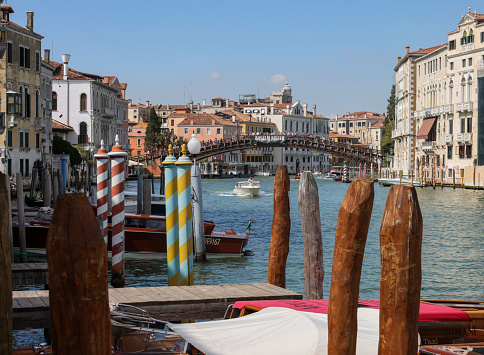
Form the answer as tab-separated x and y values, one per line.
197	205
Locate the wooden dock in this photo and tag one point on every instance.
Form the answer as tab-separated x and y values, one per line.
175	303
29	274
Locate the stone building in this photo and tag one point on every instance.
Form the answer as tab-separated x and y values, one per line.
20	94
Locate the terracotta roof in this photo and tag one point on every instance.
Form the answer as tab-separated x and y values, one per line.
361	115
479	17
377	124
22	27
61	126
239	116
71	73
137	132
8	8
219	98
337	135
256	104
428	50
173	107
204	119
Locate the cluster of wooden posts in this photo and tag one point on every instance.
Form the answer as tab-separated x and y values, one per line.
400	249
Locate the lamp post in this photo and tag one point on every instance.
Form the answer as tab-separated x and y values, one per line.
194	147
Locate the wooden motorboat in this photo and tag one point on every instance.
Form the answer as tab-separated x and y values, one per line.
143	234
441	322
398	181
247	188
297	176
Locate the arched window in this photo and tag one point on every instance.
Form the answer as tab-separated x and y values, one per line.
463	39
54	101
37	103
82	133
83	105
470	38
27	103
22	100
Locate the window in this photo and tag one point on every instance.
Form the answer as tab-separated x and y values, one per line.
37	140
9	138
463	39
469	124
172	122
82	138
22	56
199	131
482	37
9	166
27	144
37	103
27	103
468	151
351	124
463	63
470	62
21	139
37	61
186	131
208	131
462	126
218	131
22	167
451	65
451	126
54	101
83	104
27	58
27	167
470	38
9	52
138	143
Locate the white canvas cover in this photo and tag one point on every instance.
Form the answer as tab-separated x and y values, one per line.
276	330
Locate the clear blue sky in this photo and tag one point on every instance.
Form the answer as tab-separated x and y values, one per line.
337	55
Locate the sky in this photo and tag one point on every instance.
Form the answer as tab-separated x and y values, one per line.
338	55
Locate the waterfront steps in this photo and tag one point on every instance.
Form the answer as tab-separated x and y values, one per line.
174	303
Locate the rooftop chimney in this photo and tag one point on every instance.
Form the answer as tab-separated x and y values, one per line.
204	102
399	59
65	60
407	50
30	21
305	110
314	110
148	103
47	55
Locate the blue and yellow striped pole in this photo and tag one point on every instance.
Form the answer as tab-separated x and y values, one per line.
171	196
185	218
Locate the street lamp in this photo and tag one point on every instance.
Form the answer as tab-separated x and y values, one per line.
194	147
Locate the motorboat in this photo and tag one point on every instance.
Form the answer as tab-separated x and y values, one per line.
247	188
158	206
398	181
262	173
329	176
145	236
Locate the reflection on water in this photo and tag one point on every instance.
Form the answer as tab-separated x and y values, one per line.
452	251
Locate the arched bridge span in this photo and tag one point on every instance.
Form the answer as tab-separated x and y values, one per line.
349	152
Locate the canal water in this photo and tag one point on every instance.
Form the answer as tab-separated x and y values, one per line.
452	250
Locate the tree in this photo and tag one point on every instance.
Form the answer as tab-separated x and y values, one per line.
61	146
387	143
153	132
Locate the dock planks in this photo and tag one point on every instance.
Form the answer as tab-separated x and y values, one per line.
29	274
175	303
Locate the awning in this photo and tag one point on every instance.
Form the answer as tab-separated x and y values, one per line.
423	132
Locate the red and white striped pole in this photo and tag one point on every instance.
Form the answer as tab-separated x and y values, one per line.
371	170
118	157
102	190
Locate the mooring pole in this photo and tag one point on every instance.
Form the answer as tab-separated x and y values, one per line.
185	232
118	157
6	310
308	199
171	201
64	173
78	289
351	233
401	273
21	219
281	226
102	160
200	253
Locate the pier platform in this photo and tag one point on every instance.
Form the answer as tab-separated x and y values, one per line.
174	303
29	274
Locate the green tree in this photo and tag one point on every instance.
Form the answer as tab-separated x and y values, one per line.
153	132
61	146
387	143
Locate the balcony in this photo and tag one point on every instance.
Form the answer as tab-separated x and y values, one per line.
107	111
422	114
13	121
463	106
416	114
427	112
448	139
428	145
448	108
434	111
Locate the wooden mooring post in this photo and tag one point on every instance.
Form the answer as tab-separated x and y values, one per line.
78	283
401	273
6	310
351	233
308	199
281	226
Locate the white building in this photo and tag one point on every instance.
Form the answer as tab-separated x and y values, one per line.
83	102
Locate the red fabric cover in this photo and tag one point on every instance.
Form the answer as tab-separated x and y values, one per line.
428	312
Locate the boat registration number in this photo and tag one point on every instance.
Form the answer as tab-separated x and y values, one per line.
212	241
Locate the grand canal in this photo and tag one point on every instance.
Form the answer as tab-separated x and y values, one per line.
452	251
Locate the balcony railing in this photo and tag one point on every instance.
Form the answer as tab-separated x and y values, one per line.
13	121
434	110
428	145
463	137
448	108
463	106
427	112
39	123
448	138
416	114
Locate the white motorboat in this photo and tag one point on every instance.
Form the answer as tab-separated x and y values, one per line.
262	173
250	188
398	181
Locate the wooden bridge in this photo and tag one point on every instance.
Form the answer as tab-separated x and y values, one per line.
349	152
